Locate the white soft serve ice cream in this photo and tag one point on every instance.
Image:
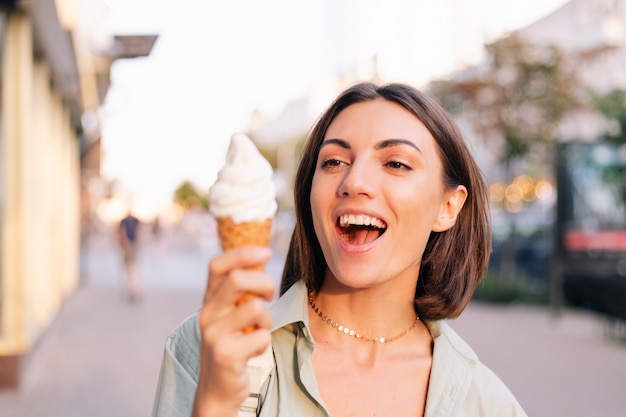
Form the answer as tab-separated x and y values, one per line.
244	189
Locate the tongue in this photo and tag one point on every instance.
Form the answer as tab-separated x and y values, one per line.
361	235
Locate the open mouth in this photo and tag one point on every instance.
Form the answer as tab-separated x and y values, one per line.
359	229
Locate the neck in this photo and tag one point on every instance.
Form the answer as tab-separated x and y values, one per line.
372	313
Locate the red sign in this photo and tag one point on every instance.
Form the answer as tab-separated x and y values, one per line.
595	240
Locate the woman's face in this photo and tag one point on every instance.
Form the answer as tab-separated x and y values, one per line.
377	193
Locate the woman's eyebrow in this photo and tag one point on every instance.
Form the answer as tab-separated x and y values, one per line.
339	142
397	142
387	143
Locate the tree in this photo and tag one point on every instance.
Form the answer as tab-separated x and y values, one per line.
613	106
188	197
514	102
518	97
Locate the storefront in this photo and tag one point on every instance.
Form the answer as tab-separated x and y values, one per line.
591	225
39	174
48	80
3	20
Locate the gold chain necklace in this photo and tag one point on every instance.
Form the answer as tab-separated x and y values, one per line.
356	334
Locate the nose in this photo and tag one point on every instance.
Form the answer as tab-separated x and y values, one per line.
358	180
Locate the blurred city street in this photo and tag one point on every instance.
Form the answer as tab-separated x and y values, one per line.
102	354
116	107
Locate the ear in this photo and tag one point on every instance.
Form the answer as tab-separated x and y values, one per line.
450	208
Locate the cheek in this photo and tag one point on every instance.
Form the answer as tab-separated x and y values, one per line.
317	200
317	192
420	209
323	189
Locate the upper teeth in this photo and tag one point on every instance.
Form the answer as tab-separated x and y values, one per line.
361	220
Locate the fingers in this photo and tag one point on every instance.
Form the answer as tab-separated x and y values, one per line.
217	321
245	298
233	353
234	279
226	350
220	267
227	345
239	285
223	382
244	257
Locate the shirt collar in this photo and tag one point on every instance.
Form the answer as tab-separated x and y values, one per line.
291	307
440	328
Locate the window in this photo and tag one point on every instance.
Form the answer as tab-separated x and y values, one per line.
594	197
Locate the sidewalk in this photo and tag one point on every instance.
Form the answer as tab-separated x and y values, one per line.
556	367
101	357
102	354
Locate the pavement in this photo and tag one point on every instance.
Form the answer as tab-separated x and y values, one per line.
101	356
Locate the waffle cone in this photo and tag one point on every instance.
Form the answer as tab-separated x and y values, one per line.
235	235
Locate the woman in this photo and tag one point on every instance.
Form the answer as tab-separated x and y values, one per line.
392	236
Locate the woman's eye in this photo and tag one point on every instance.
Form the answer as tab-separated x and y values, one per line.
329	163
397	165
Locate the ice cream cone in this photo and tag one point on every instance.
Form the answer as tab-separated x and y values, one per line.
235	235
243	199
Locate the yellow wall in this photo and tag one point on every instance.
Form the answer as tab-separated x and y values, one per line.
40	222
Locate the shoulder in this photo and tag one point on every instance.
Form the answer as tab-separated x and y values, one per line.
487	392
184	343
187	332
178	376
443	333
479	391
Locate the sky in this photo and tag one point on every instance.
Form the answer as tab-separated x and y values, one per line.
169	117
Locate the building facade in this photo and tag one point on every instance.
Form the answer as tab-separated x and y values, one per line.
593	35
50	80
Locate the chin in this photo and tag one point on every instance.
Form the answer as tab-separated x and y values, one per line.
358	277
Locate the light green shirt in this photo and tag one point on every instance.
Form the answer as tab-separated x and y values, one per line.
460	385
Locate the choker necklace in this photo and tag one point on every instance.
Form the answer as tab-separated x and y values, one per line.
356	334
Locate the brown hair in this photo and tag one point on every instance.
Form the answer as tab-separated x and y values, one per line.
454	260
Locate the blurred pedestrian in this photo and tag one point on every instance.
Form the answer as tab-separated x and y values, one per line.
157	235
392	237
128	240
